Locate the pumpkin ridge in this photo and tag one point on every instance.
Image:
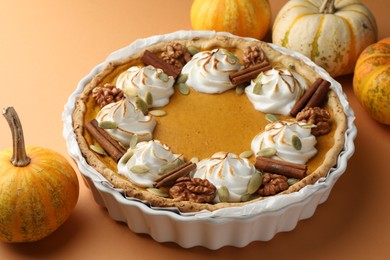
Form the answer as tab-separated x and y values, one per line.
352	57
286	35
289	9
370	78
314	50
372	25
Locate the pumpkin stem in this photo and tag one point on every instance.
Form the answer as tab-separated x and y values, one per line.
19	157
328	7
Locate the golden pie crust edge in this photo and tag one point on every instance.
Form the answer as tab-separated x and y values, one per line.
274	57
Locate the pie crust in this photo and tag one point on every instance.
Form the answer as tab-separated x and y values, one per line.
85	110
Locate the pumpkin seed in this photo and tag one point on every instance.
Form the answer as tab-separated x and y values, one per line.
296	142
246	154
223	194
292	181
163	76
231	57
184	89
271	118
133	141
267	152
157	112
257	88
97	149
149	99
166	168
158	192
291	66
192	50
308	126
240	89
254	183
130	92
108	124
182	78
194	160
248	197
140	169
141	105
126	157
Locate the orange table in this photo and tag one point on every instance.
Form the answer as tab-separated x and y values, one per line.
46	47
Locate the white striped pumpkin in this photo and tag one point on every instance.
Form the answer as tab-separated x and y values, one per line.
332	33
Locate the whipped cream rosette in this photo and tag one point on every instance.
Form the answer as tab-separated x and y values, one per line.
142	164
228	170
126	121
139	81
275	91
208	71
292	141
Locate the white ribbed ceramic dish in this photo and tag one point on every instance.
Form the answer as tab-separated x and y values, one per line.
239	226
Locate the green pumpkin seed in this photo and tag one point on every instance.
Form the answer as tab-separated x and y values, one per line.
246	154
97	149
182	78
296	142
158	192
308	126
240	89
223	194
166	168
157	112
292	181
255	183
141	105
192	50
231	57
267	152
194	160
257	88
108	125
126	157
271	118
163	76
248	197
133	141
184	89
149	99
130	92
140	169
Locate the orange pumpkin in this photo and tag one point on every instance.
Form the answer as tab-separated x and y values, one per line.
371	81
38	188
249	18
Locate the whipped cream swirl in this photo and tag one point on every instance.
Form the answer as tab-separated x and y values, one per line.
280	135
209	71
151	156
229	170
275	91
129	121
140	80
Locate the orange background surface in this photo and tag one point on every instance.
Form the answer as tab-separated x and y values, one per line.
47	46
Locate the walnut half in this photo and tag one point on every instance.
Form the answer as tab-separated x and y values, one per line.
318	116
193	189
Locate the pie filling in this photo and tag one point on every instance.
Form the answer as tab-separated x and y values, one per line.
201	125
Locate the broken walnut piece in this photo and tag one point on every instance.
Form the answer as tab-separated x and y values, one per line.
107	94
317	116
253	55
193	190
175	54
273	184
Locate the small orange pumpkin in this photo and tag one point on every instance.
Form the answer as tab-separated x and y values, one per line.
371	81
38	188
248	18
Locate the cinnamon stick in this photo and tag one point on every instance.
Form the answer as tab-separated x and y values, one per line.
300	104
288	169
320	95
150	58
249	73
111	146
169	178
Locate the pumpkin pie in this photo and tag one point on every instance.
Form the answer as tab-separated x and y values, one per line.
208	123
